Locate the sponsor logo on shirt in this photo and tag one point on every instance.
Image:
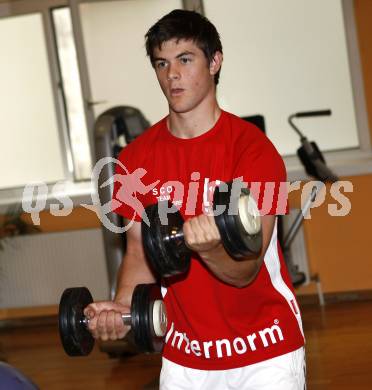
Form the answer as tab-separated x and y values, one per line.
222	348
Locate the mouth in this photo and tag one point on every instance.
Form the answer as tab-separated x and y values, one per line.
176	91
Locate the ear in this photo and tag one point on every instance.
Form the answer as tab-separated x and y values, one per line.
216	63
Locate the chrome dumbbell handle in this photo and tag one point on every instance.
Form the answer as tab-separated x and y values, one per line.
127	319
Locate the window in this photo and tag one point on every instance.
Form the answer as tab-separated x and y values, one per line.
30	148
286	57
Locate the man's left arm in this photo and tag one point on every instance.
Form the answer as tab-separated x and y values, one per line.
258	162
202	236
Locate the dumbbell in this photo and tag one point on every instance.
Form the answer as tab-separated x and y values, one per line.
239	227
147	318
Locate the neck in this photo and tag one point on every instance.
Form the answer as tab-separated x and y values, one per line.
195	122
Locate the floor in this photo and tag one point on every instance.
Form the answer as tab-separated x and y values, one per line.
339	355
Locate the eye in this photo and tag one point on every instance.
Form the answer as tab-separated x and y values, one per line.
160	64
185	60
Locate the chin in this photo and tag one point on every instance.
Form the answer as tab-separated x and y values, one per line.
181	108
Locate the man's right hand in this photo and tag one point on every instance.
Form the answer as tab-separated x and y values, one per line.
105	321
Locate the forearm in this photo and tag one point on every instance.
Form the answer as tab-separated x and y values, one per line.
238	273
134	268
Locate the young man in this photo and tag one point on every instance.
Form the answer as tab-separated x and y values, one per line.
231	324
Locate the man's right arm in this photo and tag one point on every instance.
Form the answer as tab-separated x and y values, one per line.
105	320
134	268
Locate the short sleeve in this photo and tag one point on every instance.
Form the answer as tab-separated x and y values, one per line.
261	166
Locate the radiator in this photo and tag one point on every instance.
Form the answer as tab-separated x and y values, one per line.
35	269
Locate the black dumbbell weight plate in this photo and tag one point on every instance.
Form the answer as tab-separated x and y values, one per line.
143	299
166	251
237	241
75	337
150	239
178	254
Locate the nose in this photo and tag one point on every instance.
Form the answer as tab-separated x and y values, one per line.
173	72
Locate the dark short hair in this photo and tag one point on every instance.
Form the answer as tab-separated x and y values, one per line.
188	25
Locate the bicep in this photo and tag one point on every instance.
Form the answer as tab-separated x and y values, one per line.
134	260
134	238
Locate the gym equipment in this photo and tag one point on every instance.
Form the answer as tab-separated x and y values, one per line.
309	154
239	226
114	128
147	318
315	165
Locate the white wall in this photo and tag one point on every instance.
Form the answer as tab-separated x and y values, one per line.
285	56
119	70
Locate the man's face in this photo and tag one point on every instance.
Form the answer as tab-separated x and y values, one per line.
184	74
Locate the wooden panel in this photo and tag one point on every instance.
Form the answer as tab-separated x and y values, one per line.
79	218
28	312
338	247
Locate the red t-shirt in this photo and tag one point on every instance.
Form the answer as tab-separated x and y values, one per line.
213	325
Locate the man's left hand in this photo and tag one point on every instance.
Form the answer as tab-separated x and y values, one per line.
201	233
